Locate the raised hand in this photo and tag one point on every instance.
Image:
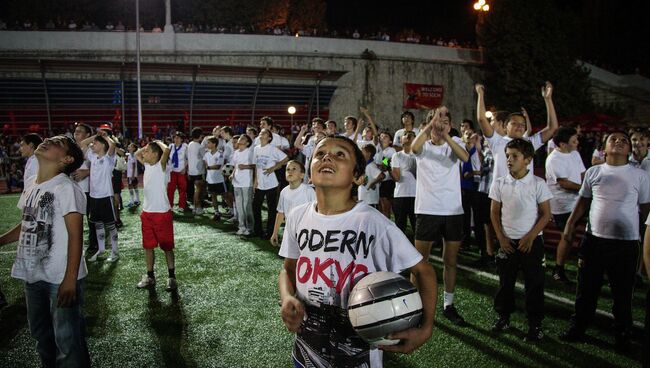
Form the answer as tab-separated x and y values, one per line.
524	112
547	90
364	110
480	89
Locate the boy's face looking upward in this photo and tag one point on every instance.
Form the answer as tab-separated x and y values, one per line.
517	163
98	147
53	150
407	121
294	173
572	145
333	164
617	144
516	126
149	156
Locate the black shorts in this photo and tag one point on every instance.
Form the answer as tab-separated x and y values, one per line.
100	210
560	220
194	178
432	227
387	189
133	181
217	188
117	181
483	207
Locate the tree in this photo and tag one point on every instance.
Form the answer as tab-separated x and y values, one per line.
525	44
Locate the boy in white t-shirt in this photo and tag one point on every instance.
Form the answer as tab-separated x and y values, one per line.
438	205
516	125
195	170
213	161
613	192
156	216
293	195
316	280
49	254
267	159
82	177
408	121
132	176
28	145
242	182
520	210
403	171
368	192
564	172
101	155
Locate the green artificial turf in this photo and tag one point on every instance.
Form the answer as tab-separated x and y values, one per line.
226	314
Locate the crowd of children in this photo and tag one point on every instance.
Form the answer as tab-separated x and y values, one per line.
334	192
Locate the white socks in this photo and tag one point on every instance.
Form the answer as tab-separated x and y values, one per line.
449	298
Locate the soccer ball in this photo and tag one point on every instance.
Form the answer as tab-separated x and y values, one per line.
227	170
382	303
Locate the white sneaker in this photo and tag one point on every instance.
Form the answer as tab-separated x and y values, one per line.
146	282
113	257
171	284
240	232
94	257
246	232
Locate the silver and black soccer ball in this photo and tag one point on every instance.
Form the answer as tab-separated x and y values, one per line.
227	170
382	303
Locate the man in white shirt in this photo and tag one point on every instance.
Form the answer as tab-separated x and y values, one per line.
266	122
438	204
564	173
408	120
613	192
515	128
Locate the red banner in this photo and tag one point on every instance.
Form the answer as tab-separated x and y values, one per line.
422	96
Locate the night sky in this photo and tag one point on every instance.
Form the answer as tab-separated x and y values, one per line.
614	32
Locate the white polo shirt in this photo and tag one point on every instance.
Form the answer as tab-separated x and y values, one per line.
437	188
567	166
101	174
615	192
498	144
519	200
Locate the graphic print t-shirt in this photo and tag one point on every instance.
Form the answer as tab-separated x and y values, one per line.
42	253
333	253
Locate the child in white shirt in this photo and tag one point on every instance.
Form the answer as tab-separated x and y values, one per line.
310	293
213	161
520	210
369	191
132	176
242	182
293	195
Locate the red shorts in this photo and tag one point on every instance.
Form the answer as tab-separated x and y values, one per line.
157	230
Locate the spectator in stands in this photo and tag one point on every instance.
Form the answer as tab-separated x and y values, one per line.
50	25
356	35
120	27
72	26
3	25
156	29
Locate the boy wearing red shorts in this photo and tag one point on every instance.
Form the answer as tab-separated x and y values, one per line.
156	216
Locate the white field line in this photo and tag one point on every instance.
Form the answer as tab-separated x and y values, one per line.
520	286
138	240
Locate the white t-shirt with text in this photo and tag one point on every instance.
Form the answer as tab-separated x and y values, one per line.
332	254
42	252
264	158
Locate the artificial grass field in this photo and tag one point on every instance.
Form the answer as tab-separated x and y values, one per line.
226	314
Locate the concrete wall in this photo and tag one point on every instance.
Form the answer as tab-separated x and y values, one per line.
376	84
